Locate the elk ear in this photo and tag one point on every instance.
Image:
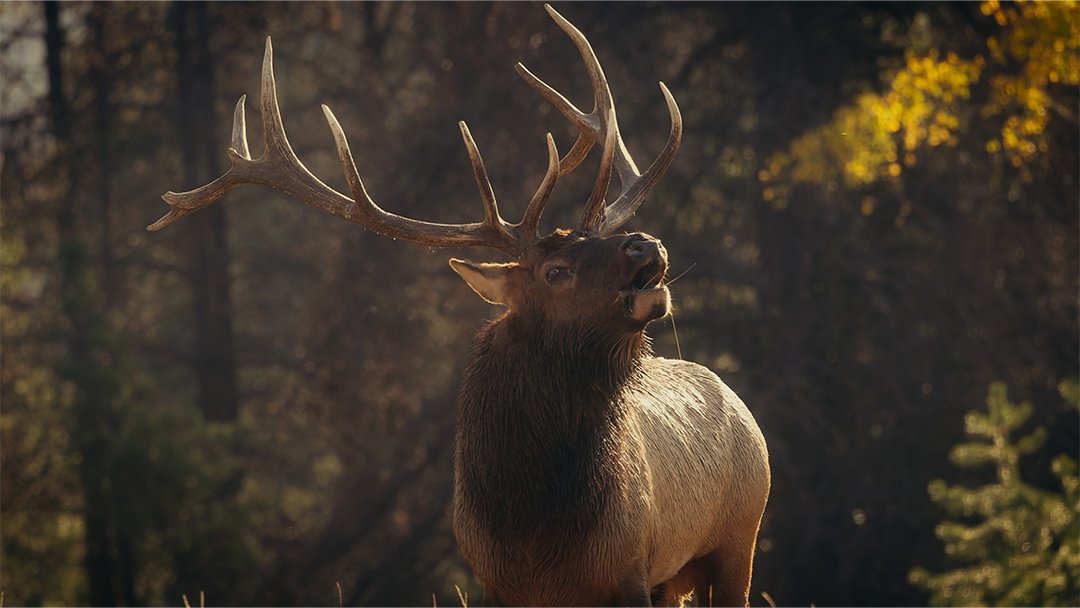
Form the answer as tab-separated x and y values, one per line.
490	281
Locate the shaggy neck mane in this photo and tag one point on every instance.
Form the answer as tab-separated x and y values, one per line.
540	422
521	365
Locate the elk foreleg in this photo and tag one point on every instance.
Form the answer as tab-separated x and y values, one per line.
635	592
733	564
718	578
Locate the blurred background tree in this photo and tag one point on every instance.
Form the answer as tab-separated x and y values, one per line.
1024	544
875	204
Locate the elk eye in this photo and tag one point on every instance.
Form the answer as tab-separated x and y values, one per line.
557	273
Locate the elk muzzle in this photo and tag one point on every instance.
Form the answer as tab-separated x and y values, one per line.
645	296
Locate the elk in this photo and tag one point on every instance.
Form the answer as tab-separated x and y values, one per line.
587	471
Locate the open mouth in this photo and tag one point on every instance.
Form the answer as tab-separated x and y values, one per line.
645	296
649	277
644	290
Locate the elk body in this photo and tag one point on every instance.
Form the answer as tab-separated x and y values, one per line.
587	471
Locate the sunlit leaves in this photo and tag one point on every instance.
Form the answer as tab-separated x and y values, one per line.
874	136
1022	543
1043	38
928	102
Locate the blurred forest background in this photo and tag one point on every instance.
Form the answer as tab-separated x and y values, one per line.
876	206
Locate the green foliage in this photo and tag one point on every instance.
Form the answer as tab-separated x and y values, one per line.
40	520
162	467
1021	544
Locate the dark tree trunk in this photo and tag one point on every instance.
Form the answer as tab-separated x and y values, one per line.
92	388
102	78
208	265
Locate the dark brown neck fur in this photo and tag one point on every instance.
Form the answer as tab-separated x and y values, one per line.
540	421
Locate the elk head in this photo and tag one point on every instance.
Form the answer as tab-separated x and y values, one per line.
573	277
584	275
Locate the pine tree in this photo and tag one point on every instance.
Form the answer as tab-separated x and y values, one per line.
1021	544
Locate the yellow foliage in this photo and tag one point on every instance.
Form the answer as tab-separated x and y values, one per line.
864	138
1044	37
925	98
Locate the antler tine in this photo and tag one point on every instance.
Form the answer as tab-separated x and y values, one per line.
594	207
491	208
492	232
586	123
599	125
279	168
527	228
186	203
633	194
239	130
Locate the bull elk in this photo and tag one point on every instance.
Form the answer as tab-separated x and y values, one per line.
587	471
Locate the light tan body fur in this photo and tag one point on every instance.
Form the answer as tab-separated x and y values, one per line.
692	482
709	472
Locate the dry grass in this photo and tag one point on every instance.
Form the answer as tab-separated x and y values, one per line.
202	600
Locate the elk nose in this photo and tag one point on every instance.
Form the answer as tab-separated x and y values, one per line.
640	246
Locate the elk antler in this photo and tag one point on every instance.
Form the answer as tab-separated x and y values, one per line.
279	168
600	125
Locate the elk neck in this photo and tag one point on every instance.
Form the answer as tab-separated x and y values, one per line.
541	421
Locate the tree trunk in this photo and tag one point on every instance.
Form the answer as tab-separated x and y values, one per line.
208	264
101	74
91	402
